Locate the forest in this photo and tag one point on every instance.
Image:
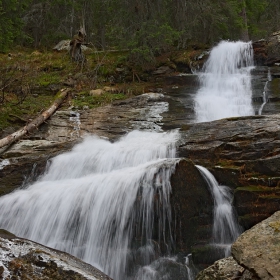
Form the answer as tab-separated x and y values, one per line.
146	28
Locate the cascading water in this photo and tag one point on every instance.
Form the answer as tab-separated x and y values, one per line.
225	227
225	83
190	268
99	202
265	91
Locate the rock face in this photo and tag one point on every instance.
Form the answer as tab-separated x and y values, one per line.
273	49
260	52
258	249
24	259
244	154
192	207
266	52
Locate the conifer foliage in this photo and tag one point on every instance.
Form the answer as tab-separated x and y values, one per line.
145	27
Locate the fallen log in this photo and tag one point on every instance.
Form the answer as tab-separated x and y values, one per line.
8	140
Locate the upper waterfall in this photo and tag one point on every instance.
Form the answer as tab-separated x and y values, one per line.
225	89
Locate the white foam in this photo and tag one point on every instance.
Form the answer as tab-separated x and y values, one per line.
225	89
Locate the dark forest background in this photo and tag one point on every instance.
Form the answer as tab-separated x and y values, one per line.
145	27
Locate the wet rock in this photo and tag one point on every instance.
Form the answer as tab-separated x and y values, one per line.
24	259
163	268
260	52
266	52
273	49
205	255
244	154
6	234
225	269
22	163
258	249
192	206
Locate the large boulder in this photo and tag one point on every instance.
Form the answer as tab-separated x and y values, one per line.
192	207
258	249
24	259
255	255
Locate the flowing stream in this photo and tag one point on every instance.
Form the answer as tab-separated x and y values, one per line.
106	202
225	226
225	89
97	202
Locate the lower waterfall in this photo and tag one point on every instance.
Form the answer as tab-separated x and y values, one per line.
225	225
97	202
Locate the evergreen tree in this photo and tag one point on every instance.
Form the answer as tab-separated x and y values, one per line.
11	23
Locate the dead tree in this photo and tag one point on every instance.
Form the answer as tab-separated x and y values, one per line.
76	43
30	127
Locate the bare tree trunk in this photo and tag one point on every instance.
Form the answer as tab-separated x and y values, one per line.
36	122
244	31
76	53
72	19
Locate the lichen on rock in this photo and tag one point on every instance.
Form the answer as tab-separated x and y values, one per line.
24	259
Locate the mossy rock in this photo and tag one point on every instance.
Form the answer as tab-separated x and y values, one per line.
275	225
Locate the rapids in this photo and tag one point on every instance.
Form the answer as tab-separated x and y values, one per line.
93	200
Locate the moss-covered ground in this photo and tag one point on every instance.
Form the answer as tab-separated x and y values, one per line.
29	81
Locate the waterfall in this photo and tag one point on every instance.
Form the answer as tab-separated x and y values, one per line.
190	267
265	90
225	227
99	202
225	89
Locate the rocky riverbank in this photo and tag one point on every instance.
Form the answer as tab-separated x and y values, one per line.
255	255
243	153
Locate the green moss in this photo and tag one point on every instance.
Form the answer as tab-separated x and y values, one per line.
227	164
254	189
96	101
12	113
275	225
46	79
275	85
